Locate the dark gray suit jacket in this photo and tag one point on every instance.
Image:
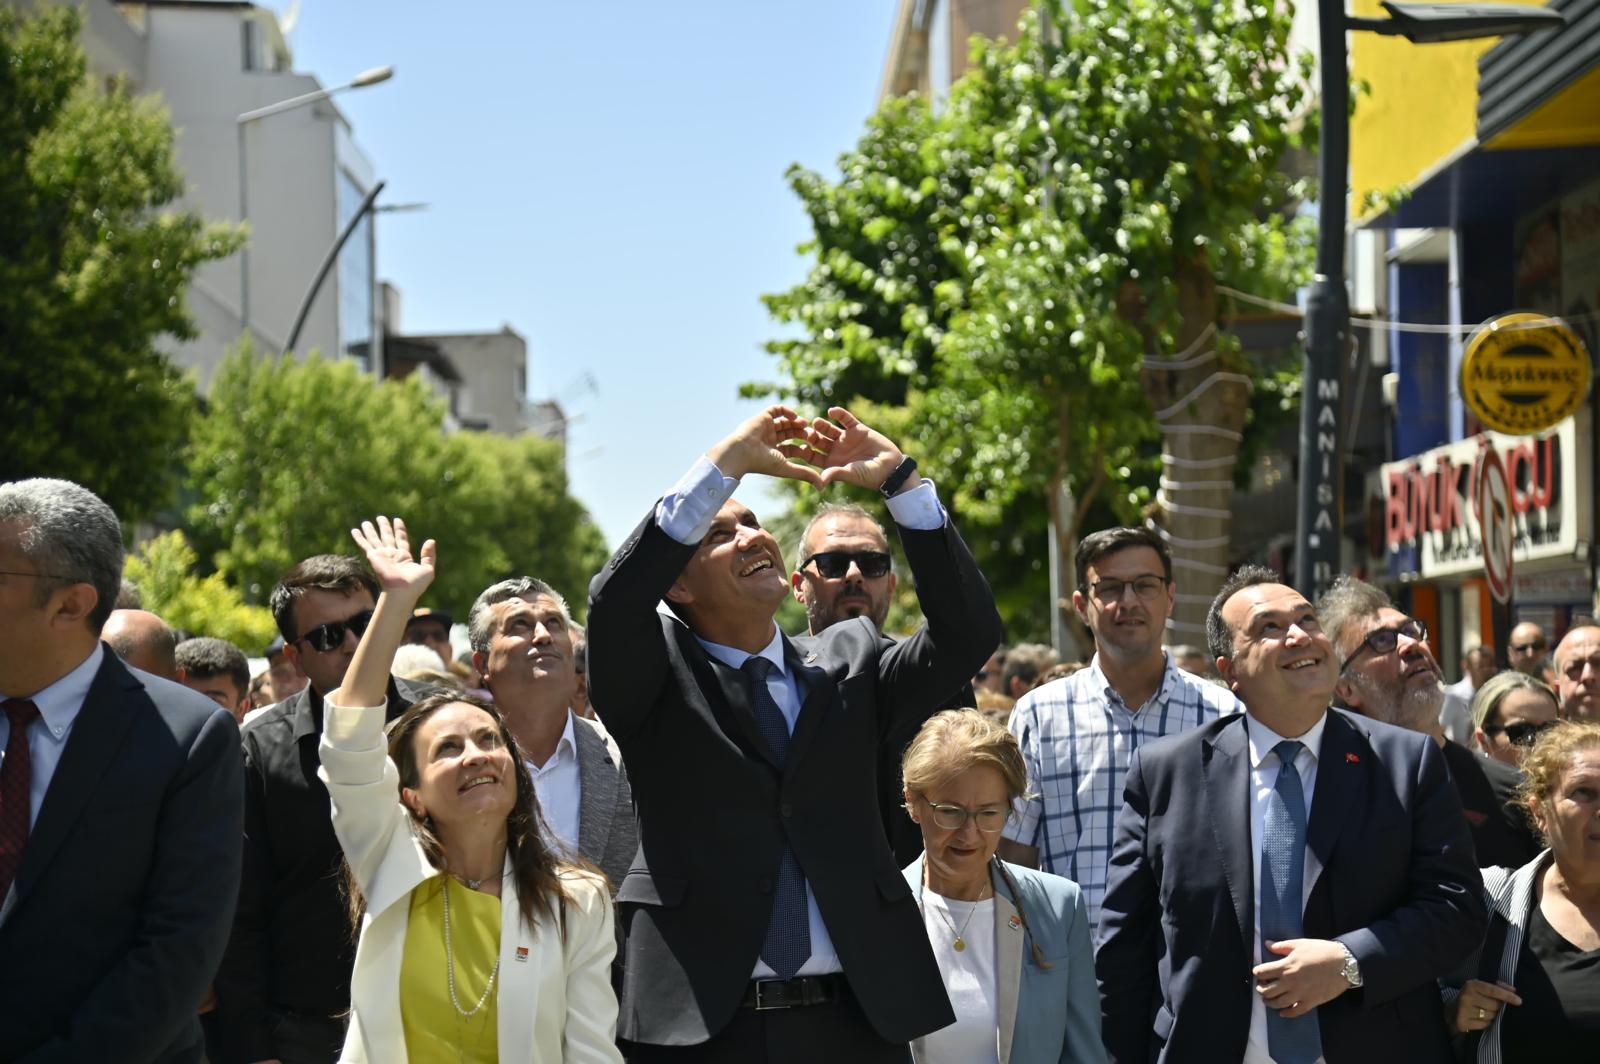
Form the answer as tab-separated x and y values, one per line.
607	835
123	901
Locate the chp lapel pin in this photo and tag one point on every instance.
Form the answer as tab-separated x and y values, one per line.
1015	922
1352	759
522	954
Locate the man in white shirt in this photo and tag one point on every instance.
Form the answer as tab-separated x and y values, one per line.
521	634
1286	885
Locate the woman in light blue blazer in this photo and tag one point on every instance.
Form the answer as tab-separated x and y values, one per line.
1012	944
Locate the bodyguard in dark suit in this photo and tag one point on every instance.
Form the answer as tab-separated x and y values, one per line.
765	918
1286	884
120	807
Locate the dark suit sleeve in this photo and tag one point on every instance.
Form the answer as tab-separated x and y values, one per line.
627	646
1130	923
961	630
137	1008
1443	917
241	982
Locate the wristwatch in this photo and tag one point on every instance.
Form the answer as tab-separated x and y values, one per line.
901	474
1351	970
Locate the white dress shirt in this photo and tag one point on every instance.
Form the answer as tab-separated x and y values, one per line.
1264	768
59	705
559	785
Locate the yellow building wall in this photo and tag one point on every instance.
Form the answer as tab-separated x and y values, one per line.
1421	110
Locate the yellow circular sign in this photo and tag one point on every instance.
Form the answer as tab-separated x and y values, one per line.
1524	373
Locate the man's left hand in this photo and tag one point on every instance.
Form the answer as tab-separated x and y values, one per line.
854	453
1310	973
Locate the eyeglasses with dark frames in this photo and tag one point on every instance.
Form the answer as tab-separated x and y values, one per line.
833	564
1522	733
1381	641
1146	588
330	636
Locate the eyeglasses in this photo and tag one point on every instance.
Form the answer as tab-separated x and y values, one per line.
44	576
1382	641
1523	733
833	564
954	817
330	636
1535	647
1109	592
421	635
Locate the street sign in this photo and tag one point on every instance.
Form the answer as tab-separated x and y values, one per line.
1494	523
1523	373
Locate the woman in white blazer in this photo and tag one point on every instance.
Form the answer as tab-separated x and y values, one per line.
477	943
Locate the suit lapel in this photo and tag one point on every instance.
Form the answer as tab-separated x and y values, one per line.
597	791
115	699
713	678
1340	766
1008	935
1225	761
816	691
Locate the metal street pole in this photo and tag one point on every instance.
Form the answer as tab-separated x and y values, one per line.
242	123
1319	513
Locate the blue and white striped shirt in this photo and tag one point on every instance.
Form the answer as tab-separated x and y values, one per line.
1078	739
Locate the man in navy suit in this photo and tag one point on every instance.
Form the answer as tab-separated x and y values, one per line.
121	807
1286	884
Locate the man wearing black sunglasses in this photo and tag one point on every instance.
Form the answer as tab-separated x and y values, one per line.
284	983
1388	673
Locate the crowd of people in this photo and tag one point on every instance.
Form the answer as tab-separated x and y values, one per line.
683	834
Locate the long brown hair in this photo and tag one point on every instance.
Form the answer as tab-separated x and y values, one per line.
535	867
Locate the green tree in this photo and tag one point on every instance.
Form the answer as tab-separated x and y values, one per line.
166	569
1031	271
290	455
92	272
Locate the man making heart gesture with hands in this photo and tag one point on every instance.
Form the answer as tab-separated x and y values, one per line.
765	908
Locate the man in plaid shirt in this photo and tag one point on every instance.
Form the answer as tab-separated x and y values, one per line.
1078	734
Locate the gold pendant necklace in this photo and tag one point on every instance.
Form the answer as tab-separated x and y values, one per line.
961	935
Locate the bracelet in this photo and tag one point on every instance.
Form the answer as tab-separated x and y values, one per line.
901	474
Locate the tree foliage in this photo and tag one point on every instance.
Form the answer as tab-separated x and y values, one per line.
92	272
292	454
166	569
1009	267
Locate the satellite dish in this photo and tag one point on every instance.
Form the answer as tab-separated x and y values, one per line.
291	16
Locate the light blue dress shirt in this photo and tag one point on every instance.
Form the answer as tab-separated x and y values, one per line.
59	705
686	514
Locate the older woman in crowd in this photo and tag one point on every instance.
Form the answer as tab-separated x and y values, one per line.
477	943
1537	994
1509	711
1012	944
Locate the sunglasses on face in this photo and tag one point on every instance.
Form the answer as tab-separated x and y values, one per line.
1384	640
833	564
330	636
1523	733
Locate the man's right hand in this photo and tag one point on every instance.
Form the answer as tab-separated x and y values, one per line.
767	443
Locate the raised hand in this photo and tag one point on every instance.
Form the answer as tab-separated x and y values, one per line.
852	452
774	442
388	551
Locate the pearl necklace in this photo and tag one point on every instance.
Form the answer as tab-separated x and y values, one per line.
450	962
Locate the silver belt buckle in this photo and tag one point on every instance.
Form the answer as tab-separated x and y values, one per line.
761	1006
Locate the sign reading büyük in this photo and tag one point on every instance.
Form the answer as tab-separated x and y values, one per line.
1524	373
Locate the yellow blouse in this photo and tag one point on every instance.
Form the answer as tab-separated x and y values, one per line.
434	1030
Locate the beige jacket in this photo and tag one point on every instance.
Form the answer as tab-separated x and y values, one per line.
554	998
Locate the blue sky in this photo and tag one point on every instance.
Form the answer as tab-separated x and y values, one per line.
607	178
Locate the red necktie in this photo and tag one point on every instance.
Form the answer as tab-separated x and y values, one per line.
16	777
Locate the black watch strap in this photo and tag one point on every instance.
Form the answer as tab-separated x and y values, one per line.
901	474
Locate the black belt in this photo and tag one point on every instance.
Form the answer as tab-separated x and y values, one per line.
764	994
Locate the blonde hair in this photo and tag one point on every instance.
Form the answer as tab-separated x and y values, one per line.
1547	762
956	740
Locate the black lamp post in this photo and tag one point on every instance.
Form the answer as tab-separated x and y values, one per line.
1320	513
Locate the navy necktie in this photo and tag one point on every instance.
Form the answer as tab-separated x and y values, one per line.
1283	864
788	942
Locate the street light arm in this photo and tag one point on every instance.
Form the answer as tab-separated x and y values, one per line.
1438	23
360	81
327	264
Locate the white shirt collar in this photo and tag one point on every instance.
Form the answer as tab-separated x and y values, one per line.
60	702
1263	738
735	658
566	746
